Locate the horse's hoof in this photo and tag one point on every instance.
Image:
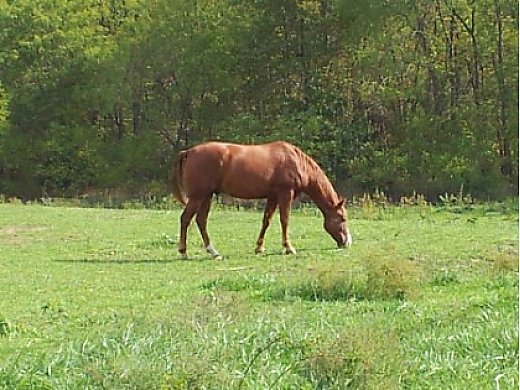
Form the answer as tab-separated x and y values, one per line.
184	256
290	251
218	257
259	250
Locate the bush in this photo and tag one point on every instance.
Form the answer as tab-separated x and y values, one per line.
389	278
361	356
68	161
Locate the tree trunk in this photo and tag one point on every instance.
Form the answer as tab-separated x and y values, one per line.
506	165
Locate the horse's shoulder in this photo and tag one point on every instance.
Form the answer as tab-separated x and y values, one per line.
284	144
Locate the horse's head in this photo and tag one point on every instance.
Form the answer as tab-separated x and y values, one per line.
336	225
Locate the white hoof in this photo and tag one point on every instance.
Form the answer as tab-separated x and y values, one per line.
213	252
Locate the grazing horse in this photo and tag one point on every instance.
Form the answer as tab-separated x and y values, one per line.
276	171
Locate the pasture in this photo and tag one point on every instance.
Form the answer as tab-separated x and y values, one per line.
427	297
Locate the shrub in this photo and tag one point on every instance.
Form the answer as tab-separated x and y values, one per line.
360	356
389	278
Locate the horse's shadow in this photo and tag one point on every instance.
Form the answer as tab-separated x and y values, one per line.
117	261
197	258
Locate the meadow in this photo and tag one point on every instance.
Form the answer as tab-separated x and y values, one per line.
95	298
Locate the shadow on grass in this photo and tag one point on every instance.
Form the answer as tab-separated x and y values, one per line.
299	251
270	288
118	261
378	279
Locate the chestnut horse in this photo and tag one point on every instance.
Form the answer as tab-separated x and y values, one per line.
276	171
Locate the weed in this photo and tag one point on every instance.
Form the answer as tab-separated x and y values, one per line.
382	279
444	277
372	205
362	356
5	327
457	202
419	202
414	200
14	200
391	278
324	285
505	261
132	205
164	241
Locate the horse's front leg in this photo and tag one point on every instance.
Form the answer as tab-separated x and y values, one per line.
285	201
202	221
270	207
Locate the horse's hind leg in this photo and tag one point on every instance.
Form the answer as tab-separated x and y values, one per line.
186	217
270	207
202	221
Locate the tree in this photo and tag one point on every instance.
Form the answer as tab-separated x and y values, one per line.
402	96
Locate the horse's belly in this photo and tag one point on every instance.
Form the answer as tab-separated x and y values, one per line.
246	189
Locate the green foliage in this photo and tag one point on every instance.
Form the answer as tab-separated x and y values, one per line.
69	162
408	96
4	109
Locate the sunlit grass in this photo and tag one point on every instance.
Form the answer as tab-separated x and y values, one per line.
100	299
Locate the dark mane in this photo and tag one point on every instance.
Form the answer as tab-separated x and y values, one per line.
319	187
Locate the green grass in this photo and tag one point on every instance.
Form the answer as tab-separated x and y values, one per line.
97	298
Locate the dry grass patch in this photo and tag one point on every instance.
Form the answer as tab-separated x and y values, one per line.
364	357
505	261
392	278
18	234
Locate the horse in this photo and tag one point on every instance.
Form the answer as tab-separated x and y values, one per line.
277	172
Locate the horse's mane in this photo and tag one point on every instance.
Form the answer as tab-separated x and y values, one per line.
317	179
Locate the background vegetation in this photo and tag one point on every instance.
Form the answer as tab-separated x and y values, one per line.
396	95
427	298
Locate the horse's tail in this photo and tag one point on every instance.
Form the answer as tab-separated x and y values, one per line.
176	178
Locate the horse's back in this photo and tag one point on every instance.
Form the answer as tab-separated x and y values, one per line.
243	171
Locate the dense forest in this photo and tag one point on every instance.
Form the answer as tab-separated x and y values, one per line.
399	96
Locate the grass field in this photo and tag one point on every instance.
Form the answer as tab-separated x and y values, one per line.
426	298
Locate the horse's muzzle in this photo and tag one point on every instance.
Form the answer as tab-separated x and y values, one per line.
347	242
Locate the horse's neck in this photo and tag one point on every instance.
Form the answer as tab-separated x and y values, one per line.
320	190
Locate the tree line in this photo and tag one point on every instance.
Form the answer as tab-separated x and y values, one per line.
399	96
